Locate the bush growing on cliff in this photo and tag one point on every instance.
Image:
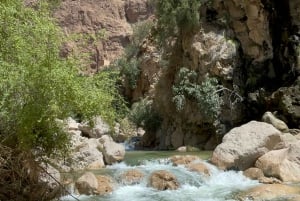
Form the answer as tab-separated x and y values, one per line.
176	17
130	65
140	31
205	94
143	115
38	87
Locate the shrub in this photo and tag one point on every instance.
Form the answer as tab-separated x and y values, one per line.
38	87
143	115
130	69
140	31
205	94
176	17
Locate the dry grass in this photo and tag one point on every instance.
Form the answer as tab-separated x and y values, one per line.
19	177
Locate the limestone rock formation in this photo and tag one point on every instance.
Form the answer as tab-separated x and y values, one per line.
99	128
251	25
283	164
138	10
257	174
112	151
287	100
84	154
106	25
268	117
243	145
163	180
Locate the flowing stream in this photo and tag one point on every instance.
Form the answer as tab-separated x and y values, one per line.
219	186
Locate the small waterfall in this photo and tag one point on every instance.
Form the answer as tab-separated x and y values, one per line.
219	186
130	143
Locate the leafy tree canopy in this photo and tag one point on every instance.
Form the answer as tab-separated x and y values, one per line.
37	87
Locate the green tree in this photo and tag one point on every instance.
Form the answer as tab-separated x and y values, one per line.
204	94
176	18
37	87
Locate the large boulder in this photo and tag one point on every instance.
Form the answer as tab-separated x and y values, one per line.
270	192
243	145
163	180
90	184
112	151
99	128
257	174
133	176
184	159
283	164
84	154
87	184
199	167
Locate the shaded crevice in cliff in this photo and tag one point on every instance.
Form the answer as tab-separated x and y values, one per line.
283	47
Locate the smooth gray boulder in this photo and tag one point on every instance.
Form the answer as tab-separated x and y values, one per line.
243	145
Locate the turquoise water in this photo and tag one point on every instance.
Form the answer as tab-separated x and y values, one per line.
220	186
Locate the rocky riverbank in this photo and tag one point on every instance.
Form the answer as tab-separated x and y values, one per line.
264	153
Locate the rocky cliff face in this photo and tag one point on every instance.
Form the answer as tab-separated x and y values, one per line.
97	30
251	47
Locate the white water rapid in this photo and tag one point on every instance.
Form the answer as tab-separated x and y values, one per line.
220	186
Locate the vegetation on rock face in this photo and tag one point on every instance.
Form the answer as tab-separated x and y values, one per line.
176	17
130	69
38	87
143	114
205	94
129	64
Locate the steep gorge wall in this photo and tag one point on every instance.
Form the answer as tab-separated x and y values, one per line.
251	48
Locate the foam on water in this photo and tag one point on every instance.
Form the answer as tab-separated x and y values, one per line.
194	187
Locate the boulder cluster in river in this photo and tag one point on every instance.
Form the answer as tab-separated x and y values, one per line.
259	149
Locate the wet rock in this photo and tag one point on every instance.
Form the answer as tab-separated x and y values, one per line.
90	184
199	168
163	180
268	117
183	160
269	180
254	173
130	177
257	174
271	191
112	151
105	184
243	145
87	184
283	164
